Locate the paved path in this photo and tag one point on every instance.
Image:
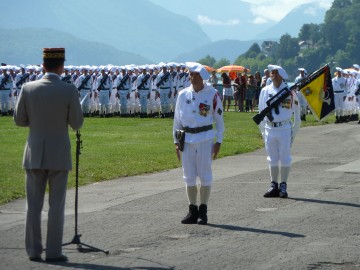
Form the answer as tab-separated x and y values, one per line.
138	218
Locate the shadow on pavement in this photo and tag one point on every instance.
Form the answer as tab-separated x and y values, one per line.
237	228
326	202
91	266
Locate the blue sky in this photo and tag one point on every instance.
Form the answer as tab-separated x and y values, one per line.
223	19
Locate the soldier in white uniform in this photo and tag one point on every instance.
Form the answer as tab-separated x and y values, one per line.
302	100
279	132
6	86
164	85
143	86
339	87
66	76
153	105
114	100
133	92
123	85
197	108
84	83
103	86
174	83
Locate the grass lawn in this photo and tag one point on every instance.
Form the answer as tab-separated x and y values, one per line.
118	147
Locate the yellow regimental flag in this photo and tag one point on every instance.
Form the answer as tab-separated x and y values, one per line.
318	91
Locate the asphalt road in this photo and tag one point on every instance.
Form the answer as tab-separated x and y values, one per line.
137	219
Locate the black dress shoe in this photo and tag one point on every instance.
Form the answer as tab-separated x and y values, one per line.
35	259
61	258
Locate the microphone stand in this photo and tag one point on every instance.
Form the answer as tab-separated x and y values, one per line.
76	238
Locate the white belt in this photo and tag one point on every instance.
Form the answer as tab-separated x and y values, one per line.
278	124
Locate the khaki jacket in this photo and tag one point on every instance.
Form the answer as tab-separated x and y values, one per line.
48	106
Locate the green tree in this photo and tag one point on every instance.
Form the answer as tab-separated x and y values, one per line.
288	47
207	60
311	32
222	62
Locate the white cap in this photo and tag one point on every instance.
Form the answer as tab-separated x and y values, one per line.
356	66
281	71
196	67
338	69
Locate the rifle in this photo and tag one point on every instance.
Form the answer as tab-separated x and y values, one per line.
273	103
357	92
163	78
85	80
121	84
66	78
23	78
102	82
4	81
143	81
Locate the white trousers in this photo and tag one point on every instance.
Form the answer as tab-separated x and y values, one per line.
196	162
278	145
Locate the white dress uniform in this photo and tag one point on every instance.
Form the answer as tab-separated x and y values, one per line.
175	85
194	110
7	85
279	133
153	105
104	93
133	102
195	113
339	87
302	99
85	82
123	85
164	85
114	101
143	87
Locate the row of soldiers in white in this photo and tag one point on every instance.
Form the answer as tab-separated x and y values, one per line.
346	86
125	90
11	80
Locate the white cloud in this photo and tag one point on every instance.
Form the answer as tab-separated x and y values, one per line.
275	10
259	20
310	11
206	20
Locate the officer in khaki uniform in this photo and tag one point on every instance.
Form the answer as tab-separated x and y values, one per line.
47	106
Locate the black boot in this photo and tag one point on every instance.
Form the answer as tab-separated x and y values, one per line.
192	216
283	193
273	191
203	214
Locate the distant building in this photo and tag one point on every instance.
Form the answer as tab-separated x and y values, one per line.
269	47
303	44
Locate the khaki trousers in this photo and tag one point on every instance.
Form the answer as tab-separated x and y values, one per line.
36	181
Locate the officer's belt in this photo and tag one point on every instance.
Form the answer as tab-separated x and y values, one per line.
164	87
85	88
278	124
124	89
338	92
198	129
144	89
104	89
5	89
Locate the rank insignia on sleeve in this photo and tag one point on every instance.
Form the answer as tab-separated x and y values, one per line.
219	111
